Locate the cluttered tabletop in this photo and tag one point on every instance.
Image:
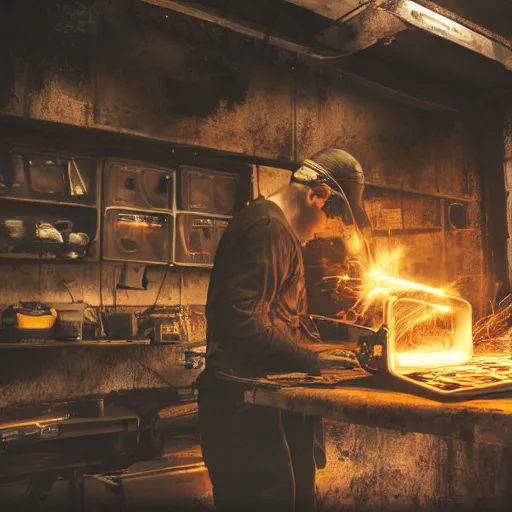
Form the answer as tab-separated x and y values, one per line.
354	396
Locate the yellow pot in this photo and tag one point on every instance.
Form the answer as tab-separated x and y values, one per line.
37	322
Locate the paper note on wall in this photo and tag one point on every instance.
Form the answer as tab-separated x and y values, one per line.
390	218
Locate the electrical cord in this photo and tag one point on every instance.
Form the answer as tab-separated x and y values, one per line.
161	287
66	286
155	303
258	181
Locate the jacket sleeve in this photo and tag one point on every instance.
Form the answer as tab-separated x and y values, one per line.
268	256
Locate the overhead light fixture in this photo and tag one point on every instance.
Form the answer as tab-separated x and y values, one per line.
437	22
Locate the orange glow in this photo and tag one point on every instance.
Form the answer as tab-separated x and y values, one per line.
427	326
138	223
430	359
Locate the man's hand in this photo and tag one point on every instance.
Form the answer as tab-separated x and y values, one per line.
332	356
337	359
319	347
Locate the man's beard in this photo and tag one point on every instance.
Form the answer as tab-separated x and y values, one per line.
310	220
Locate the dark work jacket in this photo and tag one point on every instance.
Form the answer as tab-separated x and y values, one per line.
256	298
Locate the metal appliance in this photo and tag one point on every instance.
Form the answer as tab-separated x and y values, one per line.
426	341
132	185
204	190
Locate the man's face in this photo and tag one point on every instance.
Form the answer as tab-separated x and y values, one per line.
312	218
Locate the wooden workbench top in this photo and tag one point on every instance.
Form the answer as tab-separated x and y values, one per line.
379	402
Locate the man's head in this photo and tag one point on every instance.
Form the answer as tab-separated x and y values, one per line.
344	177
303	208
320	189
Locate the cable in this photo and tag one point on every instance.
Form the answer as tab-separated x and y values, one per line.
258	181
65	286
114	289
160	288
100	269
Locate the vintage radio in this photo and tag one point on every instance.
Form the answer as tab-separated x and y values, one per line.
138	186
164	326
121	325
137	237
197	238
207	191
175	324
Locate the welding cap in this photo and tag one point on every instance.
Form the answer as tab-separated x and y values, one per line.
337	170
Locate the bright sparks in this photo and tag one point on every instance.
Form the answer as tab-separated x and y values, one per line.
427	326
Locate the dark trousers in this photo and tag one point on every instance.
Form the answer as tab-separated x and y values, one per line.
258	458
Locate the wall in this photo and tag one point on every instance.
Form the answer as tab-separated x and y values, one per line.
377	469
101	64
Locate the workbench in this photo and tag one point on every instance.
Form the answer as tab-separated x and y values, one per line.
388	449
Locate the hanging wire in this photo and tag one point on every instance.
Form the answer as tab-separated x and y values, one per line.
160	288
258	181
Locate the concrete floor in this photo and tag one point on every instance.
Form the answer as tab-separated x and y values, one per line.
176	482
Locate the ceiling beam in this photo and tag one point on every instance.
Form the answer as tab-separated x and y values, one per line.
401	86
421	14
429	17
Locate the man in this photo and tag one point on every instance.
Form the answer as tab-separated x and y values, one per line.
262	458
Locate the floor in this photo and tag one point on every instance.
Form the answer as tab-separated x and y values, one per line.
176	482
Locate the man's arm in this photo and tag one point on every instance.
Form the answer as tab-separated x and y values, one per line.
248	295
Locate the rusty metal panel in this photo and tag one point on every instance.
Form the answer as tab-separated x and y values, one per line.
392	141
421	212
454	158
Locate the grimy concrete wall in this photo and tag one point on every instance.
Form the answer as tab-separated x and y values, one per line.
378	469
105	64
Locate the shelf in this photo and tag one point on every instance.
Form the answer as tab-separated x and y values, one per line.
48	201
418	231
33	257
54	343
435	195
405	231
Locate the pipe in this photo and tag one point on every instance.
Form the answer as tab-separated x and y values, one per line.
244	29
435	20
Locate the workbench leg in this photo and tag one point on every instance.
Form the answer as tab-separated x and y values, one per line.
77	491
